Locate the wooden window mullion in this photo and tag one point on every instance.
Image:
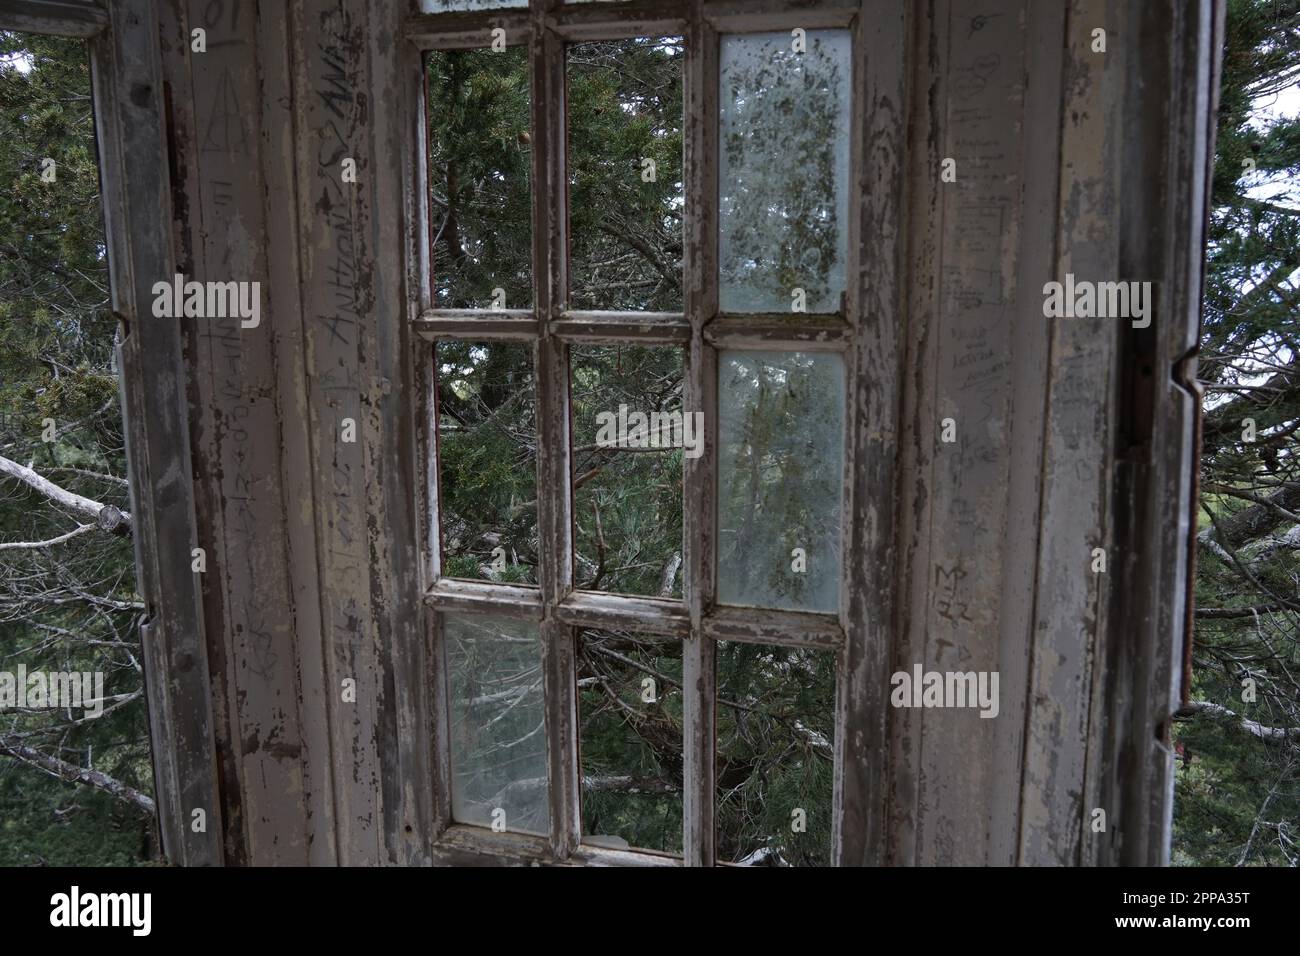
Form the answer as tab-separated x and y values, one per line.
700	394
554	522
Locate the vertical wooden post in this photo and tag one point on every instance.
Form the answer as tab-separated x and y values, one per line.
129	108
554	521
699	680
876	311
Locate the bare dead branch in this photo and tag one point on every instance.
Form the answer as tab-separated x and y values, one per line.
13	747
1271	735
107	517
1229	613
48	542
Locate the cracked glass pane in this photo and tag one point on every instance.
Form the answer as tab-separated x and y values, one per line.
498	740
784	170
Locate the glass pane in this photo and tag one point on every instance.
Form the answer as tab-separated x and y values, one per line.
443	6
784	157
775	756
625	167
630	695
780	475
498	737
629	436
487	461
479	161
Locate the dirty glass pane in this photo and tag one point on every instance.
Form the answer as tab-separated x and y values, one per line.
629	438
780	474
480	154
487	461
630	702
775	755
784	170
498	741
625	174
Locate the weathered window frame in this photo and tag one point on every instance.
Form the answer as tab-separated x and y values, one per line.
127	88
865	335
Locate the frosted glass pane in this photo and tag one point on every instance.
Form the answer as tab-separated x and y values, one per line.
442	6
498	740
784	171
780	464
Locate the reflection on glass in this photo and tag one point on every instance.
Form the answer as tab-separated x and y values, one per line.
780	473
775	755
498	738
784	171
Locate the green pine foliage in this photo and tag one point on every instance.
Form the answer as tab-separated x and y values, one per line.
71	606
1237	799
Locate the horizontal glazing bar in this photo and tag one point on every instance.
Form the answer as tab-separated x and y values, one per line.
620	611
797	332
450	594
473	324
786	628
460	844
643	328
